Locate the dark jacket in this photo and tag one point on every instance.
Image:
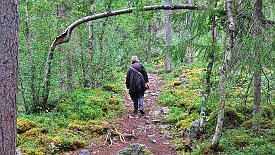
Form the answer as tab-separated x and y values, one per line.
135	81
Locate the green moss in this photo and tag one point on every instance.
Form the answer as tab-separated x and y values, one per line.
75	126
114	87
98	127
184	124
32	133
24	124
33	151
240	141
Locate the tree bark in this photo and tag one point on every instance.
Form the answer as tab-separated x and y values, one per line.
69	71
23	91
224	71
211	54
188	36
66	35
9	23
257	30
168	38
60	48
149	45
91	46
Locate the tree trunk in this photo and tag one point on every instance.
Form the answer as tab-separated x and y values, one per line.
149	46
69	71
224	71
60	48
91	46
9	21
168	38
257	30
23	92
211	55
188	36
34	95
66	35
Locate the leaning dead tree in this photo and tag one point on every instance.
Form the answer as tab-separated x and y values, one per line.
66	35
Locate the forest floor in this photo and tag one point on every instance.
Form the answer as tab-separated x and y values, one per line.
145	129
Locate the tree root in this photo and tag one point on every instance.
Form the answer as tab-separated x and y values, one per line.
112	133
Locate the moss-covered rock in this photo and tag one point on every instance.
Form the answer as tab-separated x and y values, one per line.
24	124
184	124
65	143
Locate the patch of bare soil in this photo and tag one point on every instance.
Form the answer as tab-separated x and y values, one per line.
136	128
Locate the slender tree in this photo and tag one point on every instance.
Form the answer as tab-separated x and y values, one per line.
188	35
59	14
211	53
9	23
224	71
257	30
91	46
168	38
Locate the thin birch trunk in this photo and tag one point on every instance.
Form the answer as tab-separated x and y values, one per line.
149	45
23	91
168	38
34	95
91	46
211	55
69	71
188	36
224	71
60	49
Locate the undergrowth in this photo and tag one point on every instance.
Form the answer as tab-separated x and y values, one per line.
76	118
183	94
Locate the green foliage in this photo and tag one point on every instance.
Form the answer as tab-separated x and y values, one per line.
71	123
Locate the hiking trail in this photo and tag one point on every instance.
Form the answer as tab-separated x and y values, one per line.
145	129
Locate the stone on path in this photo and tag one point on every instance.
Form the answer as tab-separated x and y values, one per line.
134	149
128	137
165	110
155	113
84	152
156	121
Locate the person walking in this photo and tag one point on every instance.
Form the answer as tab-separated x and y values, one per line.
137	83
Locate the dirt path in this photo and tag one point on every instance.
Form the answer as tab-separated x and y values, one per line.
146	129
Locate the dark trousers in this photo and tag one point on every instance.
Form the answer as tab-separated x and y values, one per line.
138	99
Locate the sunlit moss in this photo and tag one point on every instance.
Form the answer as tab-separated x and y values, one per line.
24	124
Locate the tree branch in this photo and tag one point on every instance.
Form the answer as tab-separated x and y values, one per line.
66	35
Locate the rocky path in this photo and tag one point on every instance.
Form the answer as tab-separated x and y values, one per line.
145	129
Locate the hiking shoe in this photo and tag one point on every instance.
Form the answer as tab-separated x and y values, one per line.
135	111
142	112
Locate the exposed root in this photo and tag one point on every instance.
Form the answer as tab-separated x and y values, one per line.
112	133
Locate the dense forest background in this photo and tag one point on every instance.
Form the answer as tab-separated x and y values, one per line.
212	62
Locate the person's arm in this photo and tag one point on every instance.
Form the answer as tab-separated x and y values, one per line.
144	73
128	79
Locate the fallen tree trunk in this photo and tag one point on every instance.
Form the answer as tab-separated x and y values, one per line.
66	35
